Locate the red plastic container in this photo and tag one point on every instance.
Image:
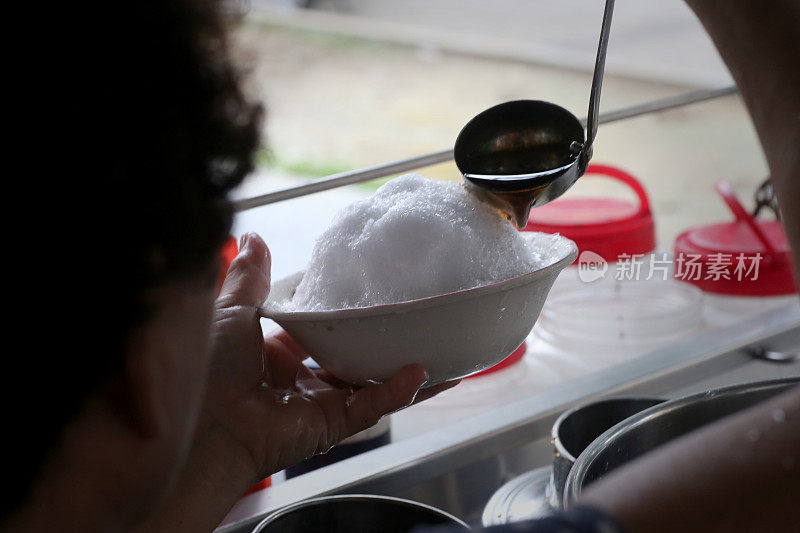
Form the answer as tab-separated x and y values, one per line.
609	227
261	485
229	251
745	257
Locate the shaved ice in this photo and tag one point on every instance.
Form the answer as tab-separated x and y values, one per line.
416	238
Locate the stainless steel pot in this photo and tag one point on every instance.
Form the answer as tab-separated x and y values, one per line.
364	513
658	425
539	492
577	428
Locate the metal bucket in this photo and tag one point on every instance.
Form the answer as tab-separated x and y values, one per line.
658	425
539	492
577	428
355	512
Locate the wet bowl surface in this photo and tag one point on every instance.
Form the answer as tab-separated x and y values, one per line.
452	335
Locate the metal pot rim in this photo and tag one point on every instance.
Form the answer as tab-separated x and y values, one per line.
554	432
572	488
352	497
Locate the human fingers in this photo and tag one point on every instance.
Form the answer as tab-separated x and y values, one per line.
367	405
283	339
247	281
430	392
283	368
422	395
333	381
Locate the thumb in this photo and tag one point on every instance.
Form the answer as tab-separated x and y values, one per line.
247	280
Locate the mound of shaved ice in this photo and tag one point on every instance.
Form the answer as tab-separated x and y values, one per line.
416	238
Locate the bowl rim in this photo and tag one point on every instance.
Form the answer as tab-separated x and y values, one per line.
267	311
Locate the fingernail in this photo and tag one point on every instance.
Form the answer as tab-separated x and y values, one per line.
247	239
427	378
243	241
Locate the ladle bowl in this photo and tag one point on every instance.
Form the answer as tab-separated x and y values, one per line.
525	153
522	146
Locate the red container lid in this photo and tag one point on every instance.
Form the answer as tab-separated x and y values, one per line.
606	226
746	257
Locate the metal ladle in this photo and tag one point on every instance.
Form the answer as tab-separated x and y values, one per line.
525	153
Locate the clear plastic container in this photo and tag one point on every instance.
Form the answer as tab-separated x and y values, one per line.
723	310
612	320
473	396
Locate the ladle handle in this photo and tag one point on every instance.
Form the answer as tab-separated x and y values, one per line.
597	79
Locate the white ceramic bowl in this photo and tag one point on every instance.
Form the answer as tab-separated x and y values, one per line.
452	335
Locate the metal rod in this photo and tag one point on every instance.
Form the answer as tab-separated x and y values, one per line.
666	104
345	178
404	165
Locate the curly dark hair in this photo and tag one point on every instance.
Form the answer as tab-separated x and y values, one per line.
147	130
